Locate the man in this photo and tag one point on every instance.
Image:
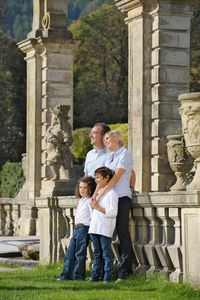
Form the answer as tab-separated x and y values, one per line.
96	157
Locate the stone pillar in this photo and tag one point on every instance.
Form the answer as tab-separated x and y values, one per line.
191	244
57	88
49	57
27	222
52	228
159	70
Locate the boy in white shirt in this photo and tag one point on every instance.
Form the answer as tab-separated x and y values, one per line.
102	225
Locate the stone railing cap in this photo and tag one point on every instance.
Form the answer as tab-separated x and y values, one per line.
189	96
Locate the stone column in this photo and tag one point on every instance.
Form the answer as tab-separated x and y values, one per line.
159	70
27	221
49	57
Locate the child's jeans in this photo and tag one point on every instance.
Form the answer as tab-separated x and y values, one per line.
75	257
104	243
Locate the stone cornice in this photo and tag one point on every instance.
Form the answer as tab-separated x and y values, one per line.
27	45
127	5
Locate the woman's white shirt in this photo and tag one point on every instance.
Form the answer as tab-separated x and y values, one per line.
101	223
121	159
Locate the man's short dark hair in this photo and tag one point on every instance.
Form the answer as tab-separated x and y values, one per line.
104	127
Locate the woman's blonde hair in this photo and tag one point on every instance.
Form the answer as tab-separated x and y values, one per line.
117	134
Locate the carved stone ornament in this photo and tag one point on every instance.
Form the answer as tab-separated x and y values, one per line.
190	116
46	21
59	139
180	161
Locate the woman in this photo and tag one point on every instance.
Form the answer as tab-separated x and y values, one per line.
120	161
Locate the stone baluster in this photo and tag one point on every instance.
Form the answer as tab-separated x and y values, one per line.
8	221
65	239
2	219
15	216
175	250
142	238
154	228
133	230
52	229
69	214
58	230
167	239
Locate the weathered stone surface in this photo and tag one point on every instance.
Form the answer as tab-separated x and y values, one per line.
159	70
191	242
30	251
173	39
170	57
49	56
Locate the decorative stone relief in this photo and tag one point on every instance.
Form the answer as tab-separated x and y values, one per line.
180	161
190	115
59	139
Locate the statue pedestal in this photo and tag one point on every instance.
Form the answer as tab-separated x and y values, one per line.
62	187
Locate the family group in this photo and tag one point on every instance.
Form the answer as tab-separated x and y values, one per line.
104	205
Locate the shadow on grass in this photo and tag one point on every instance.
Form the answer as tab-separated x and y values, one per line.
72	289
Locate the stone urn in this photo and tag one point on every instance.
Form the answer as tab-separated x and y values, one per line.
190	116
180	161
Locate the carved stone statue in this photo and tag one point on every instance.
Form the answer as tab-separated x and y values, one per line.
59	139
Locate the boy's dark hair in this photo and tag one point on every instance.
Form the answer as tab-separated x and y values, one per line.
104	127
104	172
91	186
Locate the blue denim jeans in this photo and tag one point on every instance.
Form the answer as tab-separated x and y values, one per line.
75	257
101	245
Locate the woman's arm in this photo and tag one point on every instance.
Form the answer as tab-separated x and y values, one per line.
132	180
118	174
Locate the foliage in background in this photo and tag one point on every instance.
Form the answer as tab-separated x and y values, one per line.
81	141
17	18
12	101
195	53
100	68
18	14
123	128
12	179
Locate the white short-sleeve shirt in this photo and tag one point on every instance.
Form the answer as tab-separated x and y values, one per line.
83	212
95	159
121	159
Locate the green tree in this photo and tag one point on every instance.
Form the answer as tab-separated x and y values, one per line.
100	68
17	18
195	47
12	101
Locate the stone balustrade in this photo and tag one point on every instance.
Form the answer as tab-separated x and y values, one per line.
9	214
159	228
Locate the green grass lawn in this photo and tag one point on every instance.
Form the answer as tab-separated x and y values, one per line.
37	284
